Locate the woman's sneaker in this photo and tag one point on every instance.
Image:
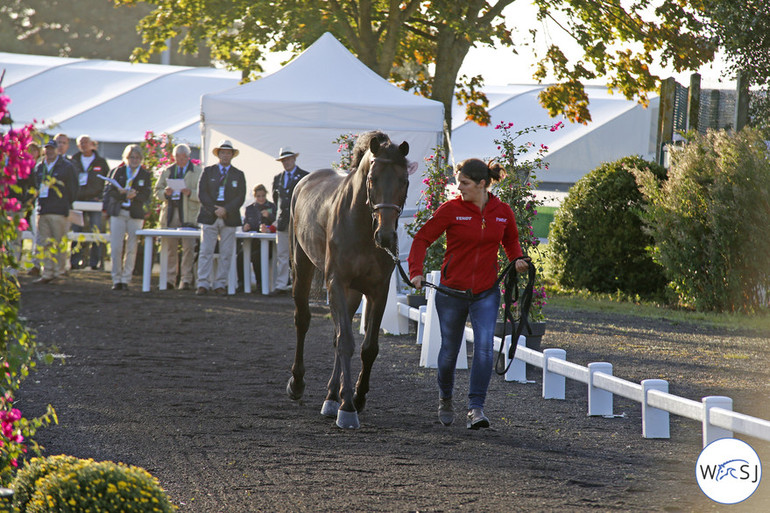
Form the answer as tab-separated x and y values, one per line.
477	419
446	414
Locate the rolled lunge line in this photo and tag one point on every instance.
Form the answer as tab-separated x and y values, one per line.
476	224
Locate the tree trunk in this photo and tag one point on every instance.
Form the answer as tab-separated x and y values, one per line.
450	53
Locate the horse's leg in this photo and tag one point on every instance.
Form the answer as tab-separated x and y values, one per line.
375	308
303	279
344	348
332	402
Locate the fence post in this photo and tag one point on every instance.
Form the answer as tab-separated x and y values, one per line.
654	421
431	345
711	433
392	322
599	401
420	324
554	385
518	369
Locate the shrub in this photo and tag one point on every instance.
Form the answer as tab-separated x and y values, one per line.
596	239
34	469
63	483
709	221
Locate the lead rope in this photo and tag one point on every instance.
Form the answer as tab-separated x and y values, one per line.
525	302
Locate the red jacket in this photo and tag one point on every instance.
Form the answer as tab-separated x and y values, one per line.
473	238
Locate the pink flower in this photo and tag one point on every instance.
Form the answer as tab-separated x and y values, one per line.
23	225
12	205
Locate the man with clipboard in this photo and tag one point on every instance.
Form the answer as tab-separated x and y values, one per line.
177	189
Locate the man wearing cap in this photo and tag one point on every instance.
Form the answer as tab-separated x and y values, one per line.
283	188
57	188
221	192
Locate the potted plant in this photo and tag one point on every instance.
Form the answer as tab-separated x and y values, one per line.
522	161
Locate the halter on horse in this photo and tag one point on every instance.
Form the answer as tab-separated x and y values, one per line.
340	225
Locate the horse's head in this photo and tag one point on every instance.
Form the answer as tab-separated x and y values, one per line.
387	183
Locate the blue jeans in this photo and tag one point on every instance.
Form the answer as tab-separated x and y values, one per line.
452	314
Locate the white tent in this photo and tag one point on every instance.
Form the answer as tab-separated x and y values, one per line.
323	93
619	128
114	102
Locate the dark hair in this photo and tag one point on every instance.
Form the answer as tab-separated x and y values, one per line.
478	170
258	188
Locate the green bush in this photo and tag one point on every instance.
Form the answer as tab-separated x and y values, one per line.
66	484
709	221
596	240
34	469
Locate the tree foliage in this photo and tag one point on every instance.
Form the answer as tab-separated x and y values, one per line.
92	29
422	44
743	29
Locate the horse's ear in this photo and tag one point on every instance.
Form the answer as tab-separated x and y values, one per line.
374	146
404	147
411	167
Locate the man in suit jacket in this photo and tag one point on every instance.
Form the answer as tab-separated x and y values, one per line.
57	188
221	192
283	188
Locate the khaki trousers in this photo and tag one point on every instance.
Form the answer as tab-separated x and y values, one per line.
188	255
51	231
209	235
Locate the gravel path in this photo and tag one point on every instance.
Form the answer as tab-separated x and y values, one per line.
193	389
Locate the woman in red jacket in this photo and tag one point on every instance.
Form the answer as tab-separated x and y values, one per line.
475	224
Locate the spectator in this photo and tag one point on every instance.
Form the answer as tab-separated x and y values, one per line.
221	191
259	217
283	189
124	202
27	196
88	166
57	188
62	144
180	208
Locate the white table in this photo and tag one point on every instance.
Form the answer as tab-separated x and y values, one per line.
164	233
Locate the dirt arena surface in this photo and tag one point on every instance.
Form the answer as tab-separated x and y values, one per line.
193	389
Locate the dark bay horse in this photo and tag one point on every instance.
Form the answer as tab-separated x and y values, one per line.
340	225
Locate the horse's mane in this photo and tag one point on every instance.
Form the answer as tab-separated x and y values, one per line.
362	146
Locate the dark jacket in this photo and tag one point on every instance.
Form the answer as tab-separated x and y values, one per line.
254	217
113	199
282	196
235	194
62	192
94	187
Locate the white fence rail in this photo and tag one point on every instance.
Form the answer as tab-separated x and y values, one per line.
714	412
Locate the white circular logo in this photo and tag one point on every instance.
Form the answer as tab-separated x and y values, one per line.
728	470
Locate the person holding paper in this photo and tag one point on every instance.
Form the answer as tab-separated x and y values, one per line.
88	166
57	188
177	189
222	191
125	198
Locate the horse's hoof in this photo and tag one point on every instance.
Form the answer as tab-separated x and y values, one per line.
330	408
359	401
347	419
294	390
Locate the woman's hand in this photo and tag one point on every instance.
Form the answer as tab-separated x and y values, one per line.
521	265
417	282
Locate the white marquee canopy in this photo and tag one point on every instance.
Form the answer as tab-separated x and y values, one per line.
321	94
